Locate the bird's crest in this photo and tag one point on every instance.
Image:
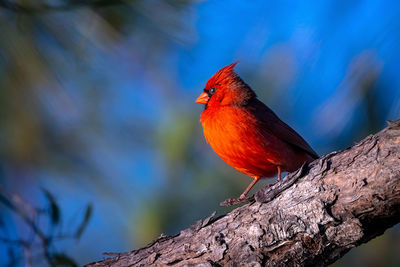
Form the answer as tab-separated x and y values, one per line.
221	75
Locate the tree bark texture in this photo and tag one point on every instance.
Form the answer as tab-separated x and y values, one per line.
312	218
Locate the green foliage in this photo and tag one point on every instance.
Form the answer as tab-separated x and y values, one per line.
85	220
54	210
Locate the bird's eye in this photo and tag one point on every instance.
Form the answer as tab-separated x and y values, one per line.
212	91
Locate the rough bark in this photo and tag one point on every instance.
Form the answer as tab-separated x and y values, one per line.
312	218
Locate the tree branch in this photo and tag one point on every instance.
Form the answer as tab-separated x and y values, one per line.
313	217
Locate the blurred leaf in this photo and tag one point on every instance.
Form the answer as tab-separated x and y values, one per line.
12	256
151	221
55	213
2	224
7	202
85	221
61	259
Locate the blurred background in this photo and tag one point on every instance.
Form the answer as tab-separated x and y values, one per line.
101	148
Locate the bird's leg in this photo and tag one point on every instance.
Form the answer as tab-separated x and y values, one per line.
232	201
279	175
243	195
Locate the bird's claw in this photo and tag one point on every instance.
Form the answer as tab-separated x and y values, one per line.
233	201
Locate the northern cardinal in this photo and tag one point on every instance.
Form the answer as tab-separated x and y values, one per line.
247	134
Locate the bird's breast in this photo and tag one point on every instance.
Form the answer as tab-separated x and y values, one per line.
238	138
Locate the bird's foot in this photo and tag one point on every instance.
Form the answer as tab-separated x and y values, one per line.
273	184
234	201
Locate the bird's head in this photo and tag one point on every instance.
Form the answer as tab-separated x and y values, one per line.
225	88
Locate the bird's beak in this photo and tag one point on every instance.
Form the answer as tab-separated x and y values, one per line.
203	98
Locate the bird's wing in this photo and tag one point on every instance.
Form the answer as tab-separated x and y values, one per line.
277	127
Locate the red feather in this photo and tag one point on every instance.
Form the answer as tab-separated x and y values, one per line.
245	133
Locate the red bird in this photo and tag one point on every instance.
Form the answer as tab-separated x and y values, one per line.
247	134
